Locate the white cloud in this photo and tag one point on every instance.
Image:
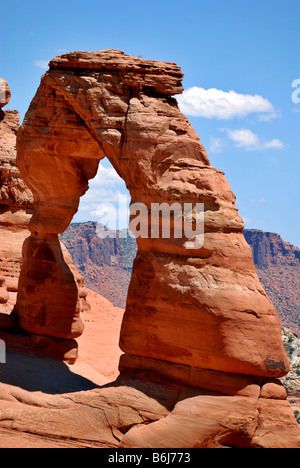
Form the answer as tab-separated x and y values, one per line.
106	201
44	64
105	188
216	145
245	138
273	144
247	220
106	176
218	104
259	200
114	214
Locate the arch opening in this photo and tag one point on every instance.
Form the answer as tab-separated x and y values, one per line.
104	258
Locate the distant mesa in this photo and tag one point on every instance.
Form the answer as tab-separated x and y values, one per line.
269	249
278	267
106	266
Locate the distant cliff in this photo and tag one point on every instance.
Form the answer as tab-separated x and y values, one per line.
269	249
106	266
278	267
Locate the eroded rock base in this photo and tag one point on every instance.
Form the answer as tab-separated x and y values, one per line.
18	340
45	403
205	379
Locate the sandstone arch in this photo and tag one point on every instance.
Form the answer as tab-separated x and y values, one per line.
187	310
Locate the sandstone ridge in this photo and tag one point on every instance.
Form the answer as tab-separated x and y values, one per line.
210	306
47	404
269	249
198	368
16	208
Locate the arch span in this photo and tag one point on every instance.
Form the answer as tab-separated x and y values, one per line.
187	309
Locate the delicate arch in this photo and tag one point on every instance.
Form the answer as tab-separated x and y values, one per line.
187	308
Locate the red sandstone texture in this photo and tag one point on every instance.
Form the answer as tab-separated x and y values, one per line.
106	266
48	404
15	211
194	318
200	308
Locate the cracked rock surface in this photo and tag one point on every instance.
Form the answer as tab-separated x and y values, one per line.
202	341
45	403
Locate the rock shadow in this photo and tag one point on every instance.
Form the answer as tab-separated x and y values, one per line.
41	374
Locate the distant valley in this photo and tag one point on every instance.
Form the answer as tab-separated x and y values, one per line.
106	266
278	267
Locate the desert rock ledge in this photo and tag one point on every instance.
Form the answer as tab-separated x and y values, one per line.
194	318
188	308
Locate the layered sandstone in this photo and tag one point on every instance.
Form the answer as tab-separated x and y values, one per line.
197	308
190	314
15	211
45	403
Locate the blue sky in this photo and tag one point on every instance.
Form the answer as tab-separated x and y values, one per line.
239	59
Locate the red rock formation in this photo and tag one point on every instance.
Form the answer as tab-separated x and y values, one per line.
198	308
5	93
15	211
199	311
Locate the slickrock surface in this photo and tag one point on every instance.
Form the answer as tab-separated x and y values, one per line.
46	403
93	258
